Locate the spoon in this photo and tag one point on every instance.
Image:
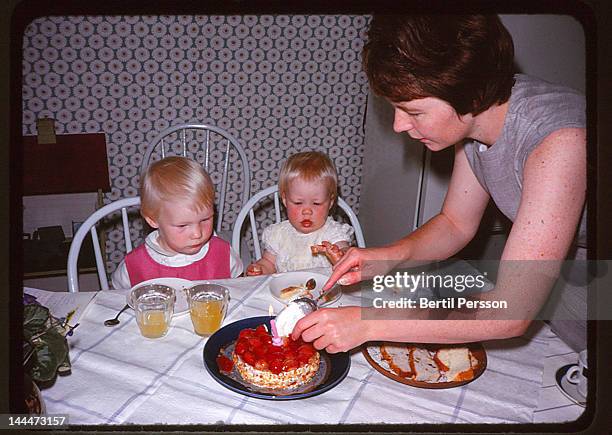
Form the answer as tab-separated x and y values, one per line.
311	284
307	305
115	321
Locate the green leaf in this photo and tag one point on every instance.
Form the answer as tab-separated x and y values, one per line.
51	352
34	319
45	366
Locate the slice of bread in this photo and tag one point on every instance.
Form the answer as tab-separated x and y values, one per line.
430	363
397	356
424	365
456	363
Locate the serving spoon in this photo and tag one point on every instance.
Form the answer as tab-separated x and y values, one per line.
115	321
308	305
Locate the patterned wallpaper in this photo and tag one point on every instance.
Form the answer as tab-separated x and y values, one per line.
279	84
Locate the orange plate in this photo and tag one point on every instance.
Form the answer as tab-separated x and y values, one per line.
476	349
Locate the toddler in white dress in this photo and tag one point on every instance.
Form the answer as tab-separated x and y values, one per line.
308	186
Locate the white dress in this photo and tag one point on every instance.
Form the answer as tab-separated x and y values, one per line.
292	248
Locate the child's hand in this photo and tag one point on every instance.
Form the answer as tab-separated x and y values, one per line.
332	251
254	269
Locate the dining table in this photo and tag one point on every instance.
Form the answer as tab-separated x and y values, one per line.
118	377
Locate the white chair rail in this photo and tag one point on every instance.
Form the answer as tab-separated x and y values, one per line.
89	226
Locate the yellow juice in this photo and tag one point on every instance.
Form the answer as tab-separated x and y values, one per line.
206	316
152	323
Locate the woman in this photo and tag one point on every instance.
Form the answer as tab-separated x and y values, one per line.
518	140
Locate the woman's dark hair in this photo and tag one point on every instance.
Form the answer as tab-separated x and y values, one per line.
465	60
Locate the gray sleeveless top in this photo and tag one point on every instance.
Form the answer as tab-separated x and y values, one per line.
536	109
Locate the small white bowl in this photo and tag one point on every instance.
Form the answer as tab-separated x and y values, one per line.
281	281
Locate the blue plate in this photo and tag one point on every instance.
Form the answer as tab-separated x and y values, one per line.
339	362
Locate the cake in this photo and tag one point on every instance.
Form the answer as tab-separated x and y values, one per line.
261	363
430	364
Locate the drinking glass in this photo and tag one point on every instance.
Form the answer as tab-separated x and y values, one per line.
207	306
154	307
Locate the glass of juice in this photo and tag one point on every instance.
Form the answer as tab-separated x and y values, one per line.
207	306
154	306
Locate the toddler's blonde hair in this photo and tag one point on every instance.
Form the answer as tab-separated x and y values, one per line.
309	166
175	178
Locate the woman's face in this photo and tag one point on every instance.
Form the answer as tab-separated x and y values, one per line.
432	121
307	203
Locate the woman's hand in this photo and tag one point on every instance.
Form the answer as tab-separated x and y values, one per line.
358	264
333	329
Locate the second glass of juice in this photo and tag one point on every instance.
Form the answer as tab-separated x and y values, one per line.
207	306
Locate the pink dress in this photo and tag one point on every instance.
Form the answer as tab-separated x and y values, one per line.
214	265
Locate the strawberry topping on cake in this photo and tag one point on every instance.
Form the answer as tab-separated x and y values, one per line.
263	364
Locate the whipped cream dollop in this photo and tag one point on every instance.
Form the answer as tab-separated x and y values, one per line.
287	318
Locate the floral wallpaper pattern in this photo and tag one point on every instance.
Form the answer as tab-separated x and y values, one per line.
279	84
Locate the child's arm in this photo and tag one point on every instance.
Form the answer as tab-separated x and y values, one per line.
266	265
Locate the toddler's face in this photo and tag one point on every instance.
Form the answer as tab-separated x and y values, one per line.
307	203
181	229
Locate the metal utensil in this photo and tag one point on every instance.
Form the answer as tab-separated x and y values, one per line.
312	303
115	321
311	284
307	305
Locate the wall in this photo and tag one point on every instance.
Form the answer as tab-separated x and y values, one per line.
391	173
549	46
280	84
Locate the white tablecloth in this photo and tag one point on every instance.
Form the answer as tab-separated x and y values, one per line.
119	377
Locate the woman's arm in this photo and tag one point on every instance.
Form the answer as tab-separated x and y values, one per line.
439	238
554	189
552	201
